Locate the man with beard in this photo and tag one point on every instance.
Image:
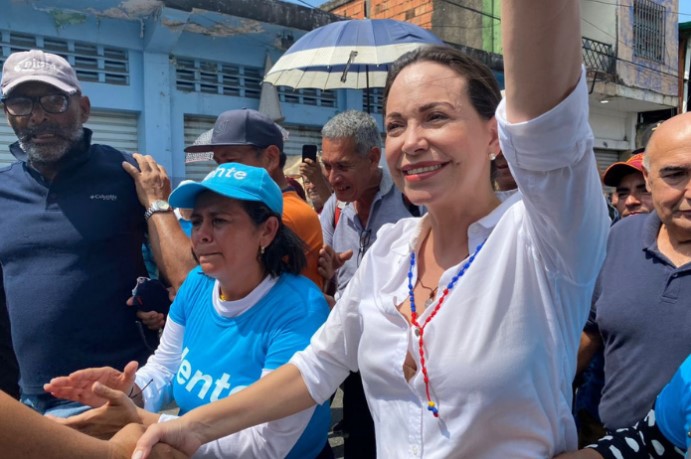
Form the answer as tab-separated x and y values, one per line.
70	236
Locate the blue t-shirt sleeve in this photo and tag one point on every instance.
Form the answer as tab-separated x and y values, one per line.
673	407
296	332
183	299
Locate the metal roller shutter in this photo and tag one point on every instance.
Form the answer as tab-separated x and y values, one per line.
605	158
117	129
7	138
194	127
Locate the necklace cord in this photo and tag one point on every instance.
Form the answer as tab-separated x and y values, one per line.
431	405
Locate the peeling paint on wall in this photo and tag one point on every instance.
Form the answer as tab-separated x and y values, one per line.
130	10
173	24
62	18
219	29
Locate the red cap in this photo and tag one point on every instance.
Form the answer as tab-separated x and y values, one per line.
616	171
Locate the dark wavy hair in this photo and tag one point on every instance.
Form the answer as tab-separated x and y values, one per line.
286	253
483	89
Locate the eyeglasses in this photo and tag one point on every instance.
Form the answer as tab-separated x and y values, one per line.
365	238
24	105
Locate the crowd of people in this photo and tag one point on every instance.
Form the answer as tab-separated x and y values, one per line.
473	298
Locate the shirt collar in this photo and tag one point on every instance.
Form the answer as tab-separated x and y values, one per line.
477	231
649	232
386	183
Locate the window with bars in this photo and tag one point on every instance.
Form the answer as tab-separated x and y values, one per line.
376	100
96	63
316	97
649	30
196	75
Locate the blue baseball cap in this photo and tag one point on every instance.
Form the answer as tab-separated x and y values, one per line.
232	180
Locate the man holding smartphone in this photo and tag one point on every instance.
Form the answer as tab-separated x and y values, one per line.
316	186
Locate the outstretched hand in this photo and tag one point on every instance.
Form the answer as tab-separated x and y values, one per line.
175	433
106	420
78	386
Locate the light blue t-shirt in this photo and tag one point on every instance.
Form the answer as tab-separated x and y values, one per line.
222	355
673	407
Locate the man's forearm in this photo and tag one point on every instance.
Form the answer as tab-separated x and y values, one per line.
171	247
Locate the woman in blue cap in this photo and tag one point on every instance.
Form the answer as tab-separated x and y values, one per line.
242	313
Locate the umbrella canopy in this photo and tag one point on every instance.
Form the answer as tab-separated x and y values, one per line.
347	54
268	99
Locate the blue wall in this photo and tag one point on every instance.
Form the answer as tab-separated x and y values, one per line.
152	91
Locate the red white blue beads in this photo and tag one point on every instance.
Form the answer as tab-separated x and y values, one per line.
420	329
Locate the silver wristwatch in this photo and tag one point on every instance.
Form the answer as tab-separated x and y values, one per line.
157	206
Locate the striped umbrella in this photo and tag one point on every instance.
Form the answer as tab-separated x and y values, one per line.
352	54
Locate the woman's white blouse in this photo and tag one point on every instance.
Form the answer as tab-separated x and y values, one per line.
501	351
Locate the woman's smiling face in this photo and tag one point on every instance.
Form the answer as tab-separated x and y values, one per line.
437	144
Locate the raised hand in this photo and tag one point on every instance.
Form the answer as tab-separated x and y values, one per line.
78	386
151	179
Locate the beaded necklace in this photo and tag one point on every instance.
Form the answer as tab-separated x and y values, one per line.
420	329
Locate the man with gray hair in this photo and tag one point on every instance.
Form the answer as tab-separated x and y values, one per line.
364	199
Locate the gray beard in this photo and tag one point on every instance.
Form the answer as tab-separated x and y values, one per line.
46	155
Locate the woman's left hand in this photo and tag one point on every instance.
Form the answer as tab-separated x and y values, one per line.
106	420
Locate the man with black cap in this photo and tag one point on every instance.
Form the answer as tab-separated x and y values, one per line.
248	137
70	236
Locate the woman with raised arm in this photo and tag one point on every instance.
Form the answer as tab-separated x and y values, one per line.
464	323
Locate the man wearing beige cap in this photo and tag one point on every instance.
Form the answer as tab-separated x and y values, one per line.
631	196
70	236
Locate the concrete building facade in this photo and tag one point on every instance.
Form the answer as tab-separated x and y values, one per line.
629	49
159	72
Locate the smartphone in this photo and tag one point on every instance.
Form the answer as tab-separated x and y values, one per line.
309	152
